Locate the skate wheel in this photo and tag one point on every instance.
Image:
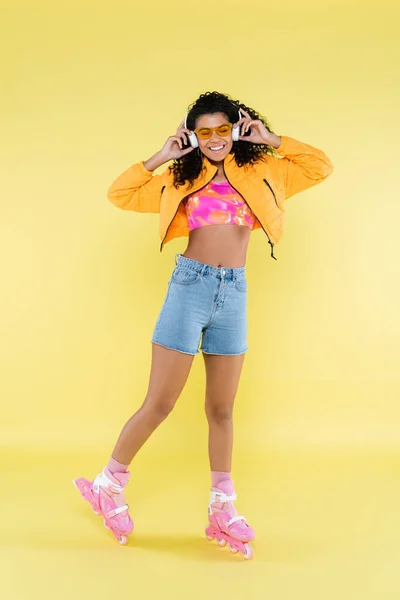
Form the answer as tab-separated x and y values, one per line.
222	542
122	539
248	551
209	537
95	511
233	549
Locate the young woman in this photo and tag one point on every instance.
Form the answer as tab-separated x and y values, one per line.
231	174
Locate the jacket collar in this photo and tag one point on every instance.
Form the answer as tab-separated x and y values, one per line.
234	174
227	161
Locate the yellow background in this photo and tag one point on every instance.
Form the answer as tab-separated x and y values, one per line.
88	90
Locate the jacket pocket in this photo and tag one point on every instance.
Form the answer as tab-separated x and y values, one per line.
273	193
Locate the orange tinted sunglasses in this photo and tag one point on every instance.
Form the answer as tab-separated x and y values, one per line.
204	133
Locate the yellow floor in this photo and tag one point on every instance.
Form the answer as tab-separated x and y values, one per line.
327	527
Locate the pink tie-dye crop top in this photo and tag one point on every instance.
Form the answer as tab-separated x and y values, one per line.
218	203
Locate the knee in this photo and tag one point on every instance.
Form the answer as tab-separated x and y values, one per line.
158	409
219	415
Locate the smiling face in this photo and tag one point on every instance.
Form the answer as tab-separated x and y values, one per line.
225	143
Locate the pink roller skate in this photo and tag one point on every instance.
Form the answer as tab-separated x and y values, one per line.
105	494
225	523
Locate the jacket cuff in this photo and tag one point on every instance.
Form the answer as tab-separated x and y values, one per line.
284	148
143	169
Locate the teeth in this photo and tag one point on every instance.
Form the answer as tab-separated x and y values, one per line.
219	148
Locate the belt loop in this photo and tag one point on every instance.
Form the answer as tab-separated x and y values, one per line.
176	262
203	268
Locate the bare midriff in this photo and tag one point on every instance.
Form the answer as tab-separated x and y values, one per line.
221	244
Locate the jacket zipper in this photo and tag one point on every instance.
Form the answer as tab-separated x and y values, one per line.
269	239
178	209
266	182
162	189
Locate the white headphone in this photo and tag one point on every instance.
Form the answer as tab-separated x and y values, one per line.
193	137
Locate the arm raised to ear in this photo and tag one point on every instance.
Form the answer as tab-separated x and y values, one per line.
138	189
301	167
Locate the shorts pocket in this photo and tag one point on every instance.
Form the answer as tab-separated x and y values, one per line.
241	285
184	276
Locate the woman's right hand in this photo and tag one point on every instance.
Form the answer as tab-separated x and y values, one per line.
173	147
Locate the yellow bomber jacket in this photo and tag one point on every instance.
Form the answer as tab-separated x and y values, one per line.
265	186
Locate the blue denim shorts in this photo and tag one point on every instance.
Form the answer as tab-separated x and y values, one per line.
207	303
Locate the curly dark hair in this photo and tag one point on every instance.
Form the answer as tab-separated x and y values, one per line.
189	167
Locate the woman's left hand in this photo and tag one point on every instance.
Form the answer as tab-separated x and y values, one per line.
259	134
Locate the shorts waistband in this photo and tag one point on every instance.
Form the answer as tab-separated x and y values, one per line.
225	272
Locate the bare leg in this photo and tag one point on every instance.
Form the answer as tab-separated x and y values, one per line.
223	374
169	372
